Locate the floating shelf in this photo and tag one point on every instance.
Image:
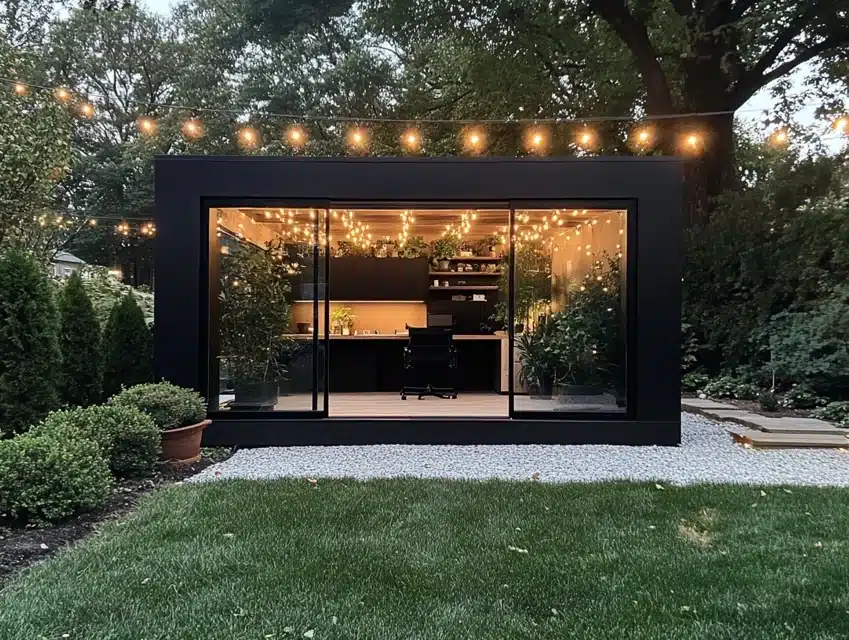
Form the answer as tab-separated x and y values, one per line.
467	287
475	259
465	273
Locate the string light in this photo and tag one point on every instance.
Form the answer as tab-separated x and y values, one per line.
296	136
92	222
841	125
411	139
358	139
21	89
62	94
536	141
586	139
692	143
779	138
146	125
474	141
248	137
193	128
86	110
642	138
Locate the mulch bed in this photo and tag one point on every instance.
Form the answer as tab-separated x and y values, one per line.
24	546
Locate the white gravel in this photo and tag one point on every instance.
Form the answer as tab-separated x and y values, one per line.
706	455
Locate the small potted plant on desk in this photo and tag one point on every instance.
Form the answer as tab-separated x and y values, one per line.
486	246
413	247
179	413
443	249
342	320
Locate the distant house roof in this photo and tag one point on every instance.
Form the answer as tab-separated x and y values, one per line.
69	258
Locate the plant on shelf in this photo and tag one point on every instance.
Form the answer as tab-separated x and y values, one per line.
346	248
445	248
254	320
342	319
384	249
486	246
413	247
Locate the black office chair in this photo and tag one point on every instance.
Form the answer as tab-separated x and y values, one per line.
430	363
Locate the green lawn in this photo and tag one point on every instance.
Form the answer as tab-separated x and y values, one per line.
412	559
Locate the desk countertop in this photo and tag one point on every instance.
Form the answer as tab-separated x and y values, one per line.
398	336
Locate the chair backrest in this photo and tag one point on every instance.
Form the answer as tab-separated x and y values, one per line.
431	344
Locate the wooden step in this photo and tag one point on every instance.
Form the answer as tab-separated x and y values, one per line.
789	440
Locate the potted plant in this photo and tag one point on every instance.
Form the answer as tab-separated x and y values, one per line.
444	249
254	322
537	363
413	247
342	320
486	246
179	413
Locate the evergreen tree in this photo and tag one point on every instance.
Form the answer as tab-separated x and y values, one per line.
127	346
30	360
81	378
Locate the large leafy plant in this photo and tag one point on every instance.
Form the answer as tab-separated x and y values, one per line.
255	312
532	287
583	344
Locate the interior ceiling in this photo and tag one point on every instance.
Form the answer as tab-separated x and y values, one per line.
430	223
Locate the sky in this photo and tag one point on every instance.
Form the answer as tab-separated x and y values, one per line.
751	111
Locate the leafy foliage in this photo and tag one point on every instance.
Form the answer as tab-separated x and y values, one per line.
170	406
29	348
128	438
127	347
45	479
105	291
81	376
801	396
834	412
694	382
254	313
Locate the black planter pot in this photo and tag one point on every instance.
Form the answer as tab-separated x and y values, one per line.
255	396
579	390
542	389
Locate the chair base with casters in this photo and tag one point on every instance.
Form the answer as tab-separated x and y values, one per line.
430	364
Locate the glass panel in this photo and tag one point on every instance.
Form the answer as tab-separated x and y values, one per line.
418	310
569	302
266	298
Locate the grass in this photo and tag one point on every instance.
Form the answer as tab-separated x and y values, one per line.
413	559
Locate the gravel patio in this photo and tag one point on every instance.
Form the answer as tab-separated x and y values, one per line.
707	455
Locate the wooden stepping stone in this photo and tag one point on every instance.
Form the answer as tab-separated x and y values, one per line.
791	425
702	404
790	440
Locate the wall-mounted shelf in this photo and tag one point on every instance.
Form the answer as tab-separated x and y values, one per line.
465	273
467	287
475	259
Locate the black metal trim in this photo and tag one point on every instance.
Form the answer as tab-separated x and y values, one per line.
453	431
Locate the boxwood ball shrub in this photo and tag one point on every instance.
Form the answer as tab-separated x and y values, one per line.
129	439
29	349
45	479
170	406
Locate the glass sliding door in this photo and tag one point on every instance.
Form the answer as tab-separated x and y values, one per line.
568	289
268	274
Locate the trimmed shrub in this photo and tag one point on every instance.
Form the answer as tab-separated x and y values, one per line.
29	350
834	412
81	376
128	347
45	479
170	406
722	387
745	391
768	401
128	438
801	396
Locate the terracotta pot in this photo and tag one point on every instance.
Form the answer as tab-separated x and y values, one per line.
183	444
